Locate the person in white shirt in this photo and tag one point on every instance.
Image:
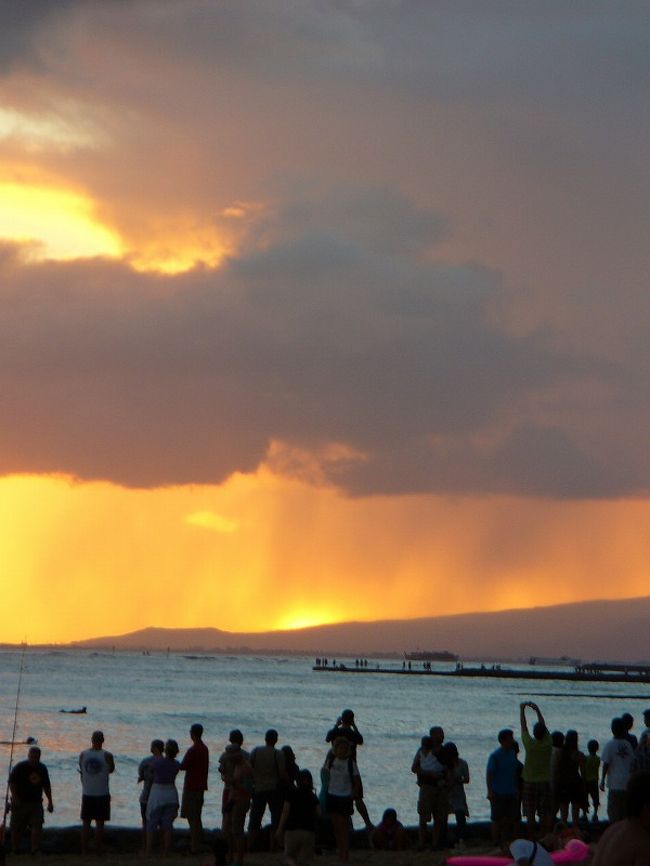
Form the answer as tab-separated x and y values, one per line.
342	782
95	766
617	759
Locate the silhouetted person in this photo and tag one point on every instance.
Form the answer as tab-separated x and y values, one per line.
502	780
195	763
95	766
269	779
536	794
145	775
346	726
617	759
28	781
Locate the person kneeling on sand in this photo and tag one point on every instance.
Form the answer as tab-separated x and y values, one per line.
627	842
389	834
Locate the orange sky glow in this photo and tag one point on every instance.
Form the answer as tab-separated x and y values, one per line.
261	552
303	321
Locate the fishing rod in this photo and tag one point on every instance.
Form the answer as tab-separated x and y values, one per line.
5	811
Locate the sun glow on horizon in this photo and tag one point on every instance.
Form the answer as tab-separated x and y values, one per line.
301	619
262	552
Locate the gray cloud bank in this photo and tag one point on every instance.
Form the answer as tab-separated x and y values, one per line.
334	332
451	280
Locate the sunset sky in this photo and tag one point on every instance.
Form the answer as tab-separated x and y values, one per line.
320	310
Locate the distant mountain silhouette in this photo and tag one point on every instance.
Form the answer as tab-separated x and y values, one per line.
605	630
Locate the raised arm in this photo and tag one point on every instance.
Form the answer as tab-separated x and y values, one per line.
358	739
540	717
522	717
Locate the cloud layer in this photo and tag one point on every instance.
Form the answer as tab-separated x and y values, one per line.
428	222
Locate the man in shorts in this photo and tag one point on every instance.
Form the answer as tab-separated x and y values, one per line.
536	795
95	767
195	764
28	781
617	759
269	779
502	779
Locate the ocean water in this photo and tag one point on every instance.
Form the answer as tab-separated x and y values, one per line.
134	698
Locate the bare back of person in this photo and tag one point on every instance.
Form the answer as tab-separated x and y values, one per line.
626	843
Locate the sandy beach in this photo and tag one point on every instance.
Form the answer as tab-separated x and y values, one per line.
357	858
61	846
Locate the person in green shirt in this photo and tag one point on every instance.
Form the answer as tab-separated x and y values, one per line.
536	794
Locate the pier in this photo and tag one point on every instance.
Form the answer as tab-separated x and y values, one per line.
586	673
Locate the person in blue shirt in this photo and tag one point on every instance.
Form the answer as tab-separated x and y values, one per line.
502	779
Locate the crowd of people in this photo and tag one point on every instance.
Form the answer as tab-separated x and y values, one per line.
553	779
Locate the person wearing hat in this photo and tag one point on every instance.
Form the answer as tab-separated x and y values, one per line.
95	767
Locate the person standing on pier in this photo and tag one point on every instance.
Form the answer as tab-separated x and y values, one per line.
537	797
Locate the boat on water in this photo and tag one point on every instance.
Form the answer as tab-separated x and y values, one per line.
431	656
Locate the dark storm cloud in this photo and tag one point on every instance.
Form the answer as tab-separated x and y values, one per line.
500	132
22	21
320	337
